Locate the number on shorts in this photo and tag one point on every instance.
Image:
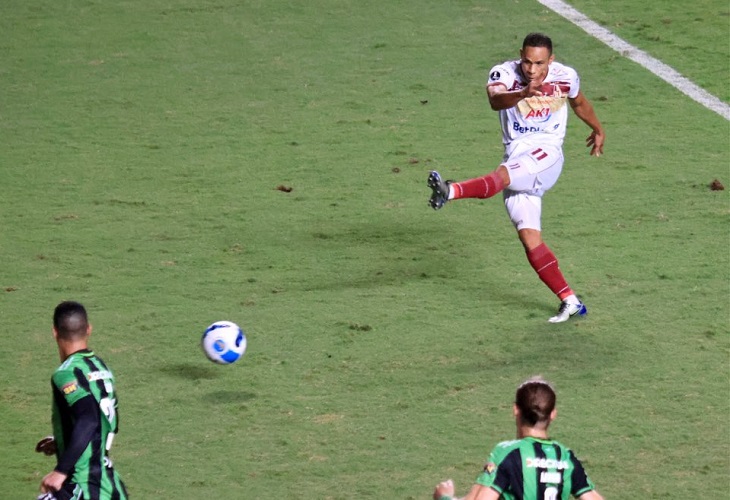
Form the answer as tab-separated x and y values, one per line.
539	154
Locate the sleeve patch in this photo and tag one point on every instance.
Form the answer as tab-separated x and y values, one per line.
69	388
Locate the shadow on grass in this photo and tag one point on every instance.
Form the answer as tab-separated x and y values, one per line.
189	371
193	372
229	397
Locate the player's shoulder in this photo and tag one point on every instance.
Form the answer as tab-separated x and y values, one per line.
508	443
65	378
555	442
503	450
74	363
506	446
565	450
503	71
559	71
74	359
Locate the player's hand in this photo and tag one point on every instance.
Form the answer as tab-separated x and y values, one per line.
595	142
444	488
53	481
534	88
47	446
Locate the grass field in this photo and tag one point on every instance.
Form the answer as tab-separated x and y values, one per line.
142	145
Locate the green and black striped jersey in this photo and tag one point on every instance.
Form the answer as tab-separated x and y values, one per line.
80	377
534	469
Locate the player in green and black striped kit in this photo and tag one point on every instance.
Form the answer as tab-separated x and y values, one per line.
532	467
85	418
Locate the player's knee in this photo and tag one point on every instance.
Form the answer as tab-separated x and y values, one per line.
530	238
504	175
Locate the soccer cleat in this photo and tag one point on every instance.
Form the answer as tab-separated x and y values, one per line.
567	311
440	190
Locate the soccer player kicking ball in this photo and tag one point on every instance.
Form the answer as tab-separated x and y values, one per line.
530	95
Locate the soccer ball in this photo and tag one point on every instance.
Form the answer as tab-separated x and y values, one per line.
224	342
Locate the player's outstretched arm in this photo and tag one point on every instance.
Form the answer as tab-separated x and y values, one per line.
584	110
501	98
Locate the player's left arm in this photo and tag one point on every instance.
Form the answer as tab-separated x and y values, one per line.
584	110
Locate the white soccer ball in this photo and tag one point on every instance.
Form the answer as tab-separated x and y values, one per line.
224	342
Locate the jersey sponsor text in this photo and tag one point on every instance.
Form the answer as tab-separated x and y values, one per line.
547	463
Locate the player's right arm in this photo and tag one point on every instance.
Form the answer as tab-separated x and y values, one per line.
583	488
445	489
86	424
500	98
481	492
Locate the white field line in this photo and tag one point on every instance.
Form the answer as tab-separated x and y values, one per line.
666	73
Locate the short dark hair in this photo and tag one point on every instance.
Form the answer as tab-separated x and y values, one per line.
70	320
538	40
535	399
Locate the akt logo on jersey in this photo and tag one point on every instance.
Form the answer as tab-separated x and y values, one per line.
539	108
538	113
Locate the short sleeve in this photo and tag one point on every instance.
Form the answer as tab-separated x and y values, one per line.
486	477
499	469
68	385
579	479
501	74
574	84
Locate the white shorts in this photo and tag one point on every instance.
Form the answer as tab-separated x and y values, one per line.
533	170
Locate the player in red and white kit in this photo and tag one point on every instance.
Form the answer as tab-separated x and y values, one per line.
531	95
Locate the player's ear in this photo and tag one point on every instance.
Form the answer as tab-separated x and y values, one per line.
553	414
88	330
551	58
55	332
515	411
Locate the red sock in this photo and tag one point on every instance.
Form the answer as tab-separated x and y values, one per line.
545	264
481	187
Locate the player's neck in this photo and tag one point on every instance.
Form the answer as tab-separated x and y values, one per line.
66	349
539	433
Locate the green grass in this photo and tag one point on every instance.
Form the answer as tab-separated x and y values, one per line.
691	37
141	147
